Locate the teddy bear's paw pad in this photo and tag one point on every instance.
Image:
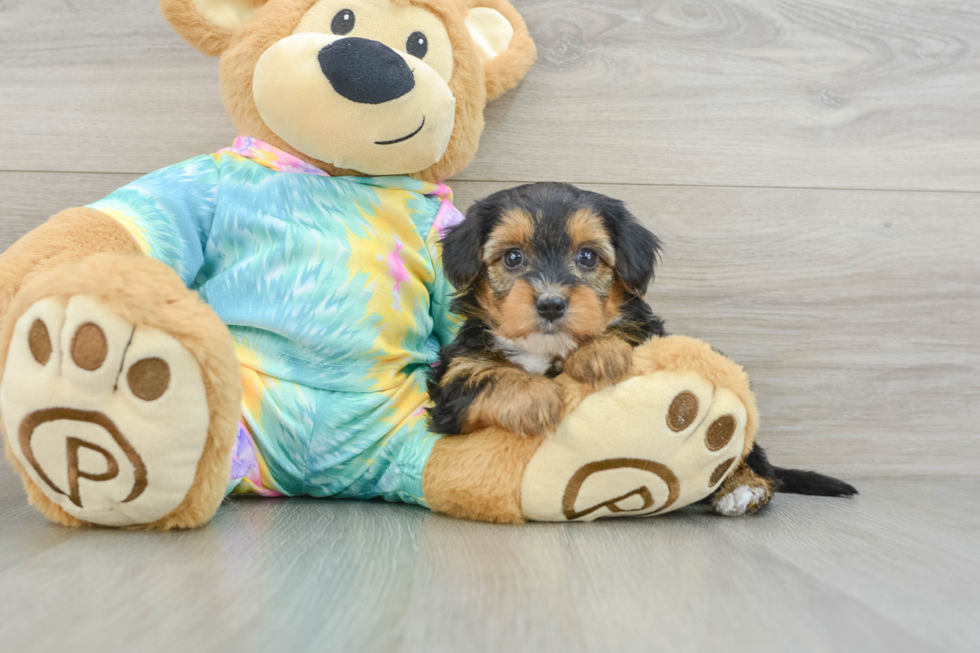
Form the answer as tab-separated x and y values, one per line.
645	446
108	419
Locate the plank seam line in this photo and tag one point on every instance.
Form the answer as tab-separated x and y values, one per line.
580	183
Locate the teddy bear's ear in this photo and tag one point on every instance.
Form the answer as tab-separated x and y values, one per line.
503	42
209	25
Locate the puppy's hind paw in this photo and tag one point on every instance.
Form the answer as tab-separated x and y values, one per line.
742	500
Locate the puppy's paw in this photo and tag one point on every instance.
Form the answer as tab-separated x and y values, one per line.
600	363
537	408
744	499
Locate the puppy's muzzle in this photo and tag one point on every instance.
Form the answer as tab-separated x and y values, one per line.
365	71
551	307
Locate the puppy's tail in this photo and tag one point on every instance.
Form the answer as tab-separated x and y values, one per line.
801	481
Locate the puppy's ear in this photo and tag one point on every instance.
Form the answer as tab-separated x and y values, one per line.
209	25
462	248
502	41
636	247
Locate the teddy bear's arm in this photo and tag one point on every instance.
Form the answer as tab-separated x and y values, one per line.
170	213
167	214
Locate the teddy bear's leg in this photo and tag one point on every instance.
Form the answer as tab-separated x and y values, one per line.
478	476
665	437
68	237
120	395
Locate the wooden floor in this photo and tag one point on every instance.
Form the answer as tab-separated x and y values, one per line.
813	167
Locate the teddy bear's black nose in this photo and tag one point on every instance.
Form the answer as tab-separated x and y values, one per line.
365	71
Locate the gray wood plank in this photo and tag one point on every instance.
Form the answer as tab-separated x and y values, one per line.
26	536
894	569
855	312
876	94
884	530
28	199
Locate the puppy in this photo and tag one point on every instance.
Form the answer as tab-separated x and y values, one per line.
550	279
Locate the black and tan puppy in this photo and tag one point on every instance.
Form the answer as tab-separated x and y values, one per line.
551	279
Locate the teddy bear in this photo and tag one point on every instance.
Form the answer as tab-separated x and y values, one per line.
260	320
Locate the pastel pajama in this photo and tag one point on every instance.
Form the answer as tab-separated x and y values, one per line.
333	291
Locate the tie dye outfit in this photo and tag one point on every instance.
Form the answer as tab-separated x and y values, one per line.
333	290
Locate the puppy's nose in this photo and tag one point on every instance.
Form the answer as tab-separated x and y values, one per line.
551	307
365	71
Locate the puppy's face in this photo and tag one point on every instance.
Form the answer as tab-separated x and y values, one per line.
551	273
549	259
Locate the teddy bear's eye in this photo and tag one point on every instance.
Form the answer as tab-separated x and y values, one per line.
343	22
417	45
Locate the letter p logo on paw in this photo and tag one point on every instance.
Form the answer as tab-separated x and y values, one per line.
133	478
646	446
108	419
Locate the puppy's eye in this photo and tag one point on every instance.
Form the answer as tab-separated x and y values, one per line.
587	258
513	258
417	45
343	22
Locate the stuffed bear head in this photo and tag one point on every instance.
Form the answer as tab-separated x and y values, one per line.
369	87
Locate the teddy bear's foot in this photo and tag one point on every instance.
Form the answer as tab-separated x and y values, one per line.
648	445
107	419
658	441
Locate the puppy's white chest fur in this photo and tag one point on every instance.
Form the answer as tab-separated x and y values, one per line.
537	352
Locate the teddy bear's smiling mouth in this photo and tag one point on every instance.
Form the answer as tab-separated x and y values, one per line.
403	138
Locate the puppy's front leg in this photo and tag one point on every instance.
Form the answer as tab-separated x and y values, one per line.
602	362
475	393
529	404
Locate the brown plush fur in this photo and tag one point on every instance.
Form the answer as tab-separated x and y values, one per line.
504	72
210	39
478	476
472	84
68	237
145	292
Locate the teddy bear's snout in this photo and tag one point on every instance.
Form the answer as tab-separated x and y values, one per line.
365	71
